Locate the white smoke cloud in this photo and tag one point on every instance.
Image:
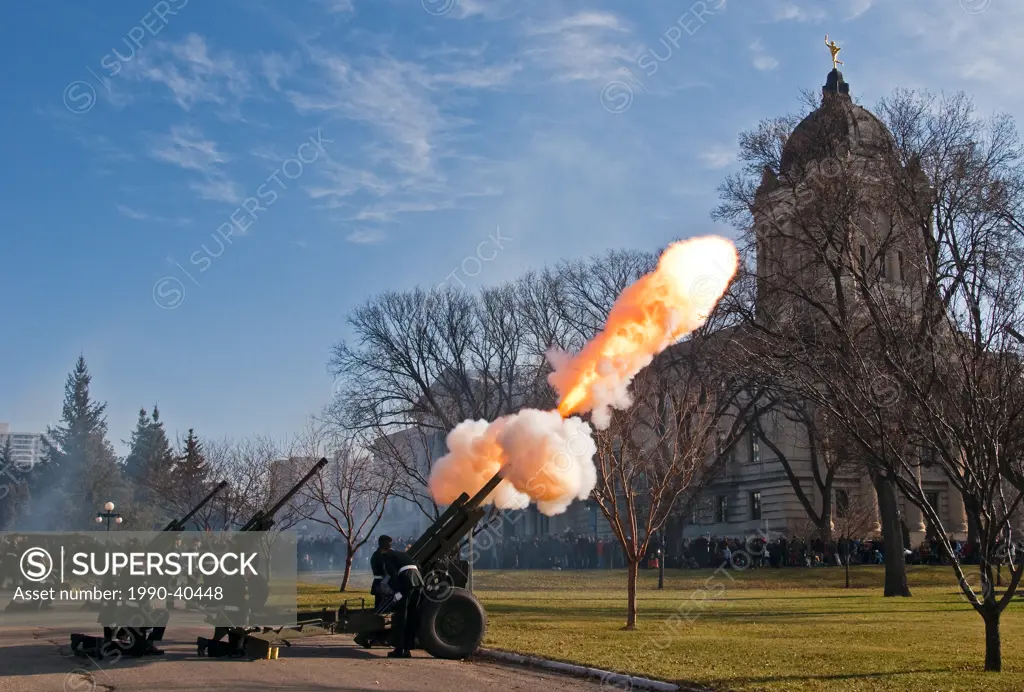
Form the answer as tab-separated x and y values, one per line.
542	457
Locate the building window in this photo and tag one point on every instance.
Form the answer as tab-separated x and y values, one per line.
727	455
899	264
933	500
755	449
755	505
721	509
541	523
842	502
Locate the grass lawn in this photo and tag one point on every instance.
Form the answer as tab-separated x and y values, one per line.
793	629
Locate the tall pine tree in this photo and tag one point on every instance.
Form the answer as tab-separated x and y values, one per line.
148	468
80	471
136	464
190	478
150	459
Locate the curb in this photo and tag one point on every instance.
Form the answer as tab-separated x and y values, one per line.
608	679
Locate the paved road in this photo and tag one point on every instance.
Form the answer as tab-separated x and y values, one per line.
38	660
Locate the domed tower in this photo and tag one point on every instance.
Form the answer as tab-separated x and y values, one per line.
832	206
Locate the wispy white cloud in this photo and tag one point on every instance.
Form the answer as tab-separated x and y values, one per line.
138	215
388	95
718	156
411	108
217	188
488	9
366	237
338	6
947	43
855	8
479	78
342	181
389	210
132	213
276	67
762	61
793	12
191	72
187	148
586	46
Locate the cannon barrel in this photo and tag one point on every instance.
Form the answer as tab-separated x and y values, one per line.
443	536
263	520
179	524
482	494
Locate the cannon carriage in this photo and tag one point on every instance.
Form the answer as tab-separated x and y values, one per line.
452	621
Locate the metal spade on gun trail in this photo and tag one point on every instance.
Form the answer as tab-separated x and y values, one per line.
547	456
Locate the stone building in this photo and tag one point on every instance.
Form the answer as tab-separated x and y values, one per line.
755	492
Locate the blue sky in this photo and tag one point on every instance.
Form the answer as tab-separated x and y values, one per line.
379	144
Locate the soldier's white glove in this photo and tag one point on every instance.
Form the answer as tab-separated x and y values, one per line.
398	597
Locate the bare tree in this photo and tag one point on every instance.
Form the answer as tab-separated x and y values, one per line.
422	362
351	494
854	519
248	467
943	336
657	455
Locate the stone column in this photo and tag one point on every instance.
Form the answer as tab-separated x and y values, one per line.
957	514
870	498
915	517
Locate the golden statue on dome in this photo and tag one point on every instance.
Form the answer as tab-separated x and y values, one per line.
834	49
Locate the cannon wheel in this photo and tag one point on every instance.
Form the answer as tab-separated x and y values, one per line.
452	628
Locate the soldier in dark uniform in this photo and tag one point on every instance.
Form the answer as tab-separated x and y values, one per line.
380	590
404	577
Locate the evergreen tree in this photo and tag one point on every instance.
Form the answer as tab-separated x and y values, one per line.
191	473
13	488
161	454
150	458
136	464
80	470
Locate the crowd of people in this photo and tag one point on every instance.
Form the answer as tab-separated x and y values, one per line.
575	551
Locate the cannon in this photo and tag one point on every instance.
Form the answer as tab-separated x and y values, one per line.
452	620
246	639
130	639
263	520
179	524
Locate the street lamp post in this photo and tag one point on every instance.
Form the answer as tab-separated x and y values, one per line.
107	515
